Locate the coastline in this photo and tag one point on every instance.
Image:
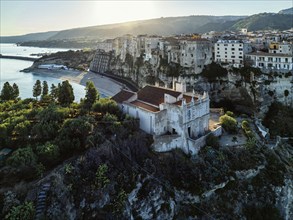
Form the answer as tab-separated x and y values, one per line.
104	85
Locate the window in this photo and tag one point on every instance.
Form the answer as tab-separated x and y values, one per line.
218	52
286	60
240	49
225	48
225	52
232	56
218	45
240	57
232	48
191	55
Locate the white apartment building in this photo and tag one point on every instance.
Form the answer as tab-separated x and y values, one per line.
231	51
272	61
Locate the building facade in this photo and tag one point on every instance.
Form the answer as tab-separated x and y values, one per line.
271	61
101	61
231	51
175	119
195	54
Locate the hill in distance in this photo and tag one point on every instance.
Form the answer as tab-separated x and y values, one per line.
265	21
166	26
287	11
159	26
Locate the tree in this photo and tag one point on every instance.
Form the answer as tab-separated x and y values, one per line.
73	134
91	95
15	91
111	122
214	70
54	92
45	88
105	105
101	179
228	123
129	61
65	93
25	211
37	89
7	92
22	157
48	152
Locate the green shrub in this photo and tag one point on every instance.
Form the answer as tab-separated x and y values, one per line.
228	123
25	211
22	157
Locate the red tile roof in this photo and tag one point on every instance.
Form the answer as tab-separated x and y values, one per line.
122	96
145	106
155	95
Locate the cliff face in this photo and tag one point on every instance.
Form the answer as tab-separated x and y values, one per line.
254	94
229	183
250	95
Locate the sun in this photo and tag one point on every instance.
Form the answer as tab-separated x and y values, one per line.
108	12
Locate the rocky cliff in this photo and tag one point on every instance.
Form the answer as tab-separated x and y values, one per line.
79	60
249	94
229	183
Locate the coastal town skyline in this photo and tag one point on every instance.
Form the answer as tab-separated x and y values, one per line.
23	17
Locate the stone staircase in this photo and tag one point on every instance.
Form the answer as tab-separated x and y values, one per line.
41	202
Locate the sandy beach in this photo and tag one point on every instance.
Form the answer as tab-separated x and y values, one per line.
104	84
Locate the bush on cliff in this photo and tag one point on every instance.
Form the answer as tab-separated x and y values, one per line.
228	123
213	71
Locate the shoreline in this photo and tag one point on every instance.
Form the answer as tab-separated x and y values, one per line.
104	85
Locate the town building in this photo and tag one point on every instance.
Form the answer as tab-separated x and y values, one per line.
106	45
195	53
101	61
281	48
231	51
271	61
176	119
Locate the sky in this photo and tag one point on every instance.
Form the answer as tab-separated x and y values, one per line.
21	16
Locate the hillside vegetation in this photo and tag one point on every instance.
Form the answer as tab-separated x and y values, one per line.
265	21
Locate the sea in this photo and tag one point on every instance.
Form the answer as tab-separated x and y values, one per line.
10	70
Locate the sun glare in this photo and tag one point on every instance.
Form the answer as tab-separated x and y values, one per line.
121	11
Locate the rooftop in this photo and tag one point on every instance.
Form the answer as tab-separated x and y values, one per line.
259	53
122	96
155	95
146	106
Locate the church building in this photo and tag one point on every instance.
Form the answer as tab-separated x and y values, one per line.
176	119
